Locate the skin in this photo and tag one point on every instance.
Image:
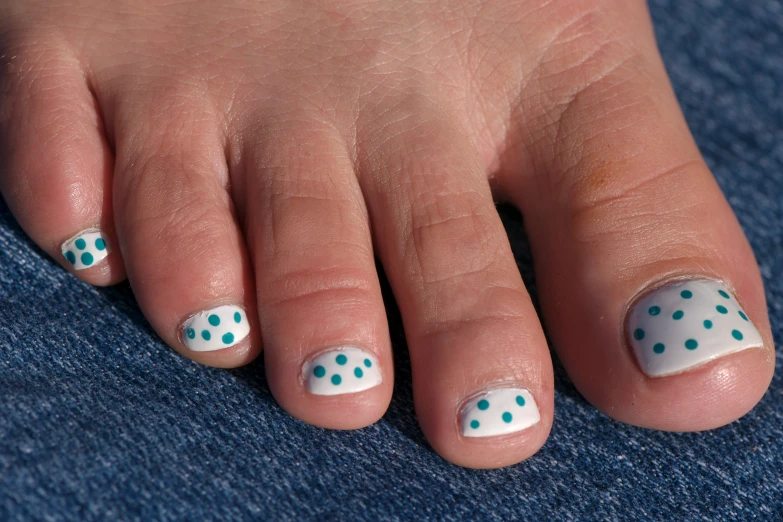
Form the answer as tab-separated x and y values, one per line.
264	153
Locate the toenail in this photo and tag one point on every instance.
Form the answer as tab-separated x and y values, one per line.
87	248
215	329
341	370
694	322
498	412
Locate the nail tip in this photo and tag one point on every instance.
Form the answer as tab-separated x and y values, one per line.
650	371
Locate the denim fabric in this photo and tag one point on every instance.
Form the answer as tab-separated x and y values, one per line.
99	420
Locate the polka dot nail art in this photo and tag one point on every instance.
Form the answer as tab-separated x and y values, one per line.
687	323
86	249
215	329
343	370
499	412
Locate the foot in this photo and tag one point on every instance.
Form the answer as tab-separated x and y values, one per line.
243	163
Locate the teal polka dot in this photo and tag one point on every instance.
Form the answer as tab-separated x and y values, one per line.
707	324
70	256
191	333
724	294
228	338
507	417
520	400
237	317
474	424
691	344
81	244
341	359
336	379
654	310
678	315
721	309
659	348
206	335
87	259
319	371
100	244
736	334
368	363
214	320
358	372
742	314
686	294
638	334
483	404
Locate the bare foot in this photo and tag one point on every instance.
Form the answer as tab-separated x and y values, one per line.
243	162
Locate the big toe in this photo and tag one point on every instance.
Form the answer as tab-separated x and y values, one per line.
649	288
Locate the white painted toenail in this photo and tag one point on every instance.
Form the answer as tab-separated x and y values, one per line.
342	370
215	329
499	412
688	323
87	248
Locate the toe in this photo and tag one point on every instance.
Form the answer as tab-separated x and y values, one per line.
57	166
482	374
326	340
648	286
184	251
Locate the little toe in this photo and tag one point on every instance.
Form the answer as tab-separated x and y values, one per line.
482	375
56	171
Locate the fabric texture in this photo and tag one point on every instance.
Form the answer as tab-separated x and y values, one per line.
99	420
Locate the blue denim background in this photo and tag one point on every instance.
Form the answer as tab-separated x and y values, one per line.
100	420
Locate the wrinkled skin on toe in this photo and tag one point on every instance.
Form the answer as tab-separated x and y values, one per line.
243	164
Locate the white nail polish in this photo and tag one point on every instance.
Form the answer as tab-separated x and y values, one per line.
86	249
215	329
688	323
499	412
342	370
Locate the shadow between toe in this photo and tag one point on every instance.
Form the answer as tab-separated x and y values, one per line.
520	246
401	414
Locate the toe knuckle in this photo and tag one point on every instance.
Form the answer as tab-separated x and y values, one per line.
651	222
481	307
448	226
320	287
